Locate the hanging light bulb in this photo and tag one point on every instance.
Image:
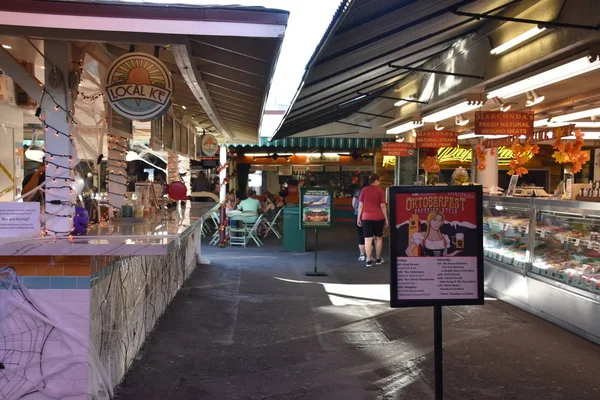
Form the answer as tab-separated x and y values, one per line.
438	126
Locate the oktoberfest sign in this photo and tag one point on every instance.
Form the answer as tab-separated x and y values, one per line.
504	123
139	86
397	149
436	139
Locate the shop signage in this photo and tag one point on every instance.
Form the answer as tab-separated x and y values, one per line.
397	149
139	86
465	155
504	123
210	145
285	170
437	246
19	219
433	139
322	158
316	207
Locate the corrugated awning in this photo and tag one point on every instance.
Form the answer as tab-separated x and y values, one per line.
351	66
320	143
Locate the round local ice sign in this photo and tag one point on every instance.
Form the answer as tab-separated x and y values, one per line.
139	86
210	145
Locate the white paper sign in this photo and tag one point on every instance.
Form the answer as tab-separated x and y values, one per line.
19	219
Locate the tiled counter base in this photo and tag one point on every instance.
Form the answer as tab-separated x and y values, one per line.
70	326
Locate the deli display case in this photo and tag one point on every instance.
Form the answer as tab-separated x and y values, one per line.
543	256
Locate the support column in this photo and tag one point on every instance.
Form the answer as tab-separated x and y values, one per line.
223	173
489	176
56	106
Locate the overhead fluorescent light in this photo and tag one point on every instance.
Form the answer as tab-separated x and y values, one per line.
7	46
565	71
469	135
539	123
577	115
403	102
450	112
586	136
517	40
577	124
404	127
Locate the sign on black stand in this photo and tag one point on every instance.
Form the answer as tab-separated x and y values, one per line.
437	252
316	211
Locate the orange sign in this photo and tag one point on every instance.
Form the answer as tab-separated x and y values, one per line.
504	123
397	149
436	139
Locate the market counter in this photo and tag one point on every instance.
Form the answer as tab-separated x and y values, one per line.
95	299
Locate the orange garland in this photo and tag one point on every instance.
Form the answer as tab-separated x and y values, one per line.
522	154
482	156
570	153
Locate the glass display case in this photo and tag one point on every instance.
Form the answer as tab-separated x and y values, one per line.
556	240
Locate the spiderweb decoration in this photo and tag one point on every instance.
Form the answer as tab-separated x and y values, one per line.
22	339
27	369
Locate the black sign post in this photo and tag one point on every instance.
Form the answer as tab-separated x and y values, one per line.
316	211
437	253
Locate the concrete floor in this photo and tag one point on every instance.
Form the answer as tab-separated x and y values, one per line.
251	325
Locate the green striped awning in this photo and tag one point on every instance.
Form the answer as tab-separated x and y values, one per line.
325	143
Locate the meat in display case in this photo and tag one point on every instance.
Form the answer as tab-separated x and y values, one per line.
559	240
506	234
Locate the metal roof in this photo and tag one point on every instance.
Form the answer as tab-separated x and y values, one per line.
221	77
351	66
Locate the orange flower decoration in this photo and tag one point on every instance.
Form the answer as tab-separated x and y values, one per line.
571	153
481	157
521	153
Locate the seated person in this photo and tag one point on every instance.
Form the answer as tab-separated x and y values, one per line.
231	202
270	206
250	206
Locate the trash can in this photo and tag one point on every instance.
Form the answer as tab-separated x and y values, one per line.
294	238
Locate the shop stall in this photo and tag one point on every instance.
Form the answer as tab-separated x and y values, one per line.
103	110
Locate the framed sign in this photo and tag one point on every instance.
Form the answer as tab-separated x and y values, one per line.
210	145
316	207
436	246
168	131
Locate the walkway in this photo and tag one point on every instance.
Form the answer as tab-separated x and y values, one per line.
252	326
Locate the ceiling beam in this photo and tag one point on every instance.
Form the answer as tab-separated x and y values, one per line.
197	86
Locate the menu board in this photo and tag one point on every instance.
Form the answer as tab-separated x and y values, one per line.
168	131
436	246
316	207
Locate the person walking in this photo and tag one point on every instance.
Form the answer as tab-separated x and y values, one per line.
359	228
372	216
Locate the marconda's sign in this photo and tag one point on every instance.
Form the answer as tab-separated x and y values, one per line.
139	86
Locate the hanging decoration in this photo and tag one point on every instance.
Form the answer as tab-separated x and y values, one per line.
522	153
571	152
480	153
